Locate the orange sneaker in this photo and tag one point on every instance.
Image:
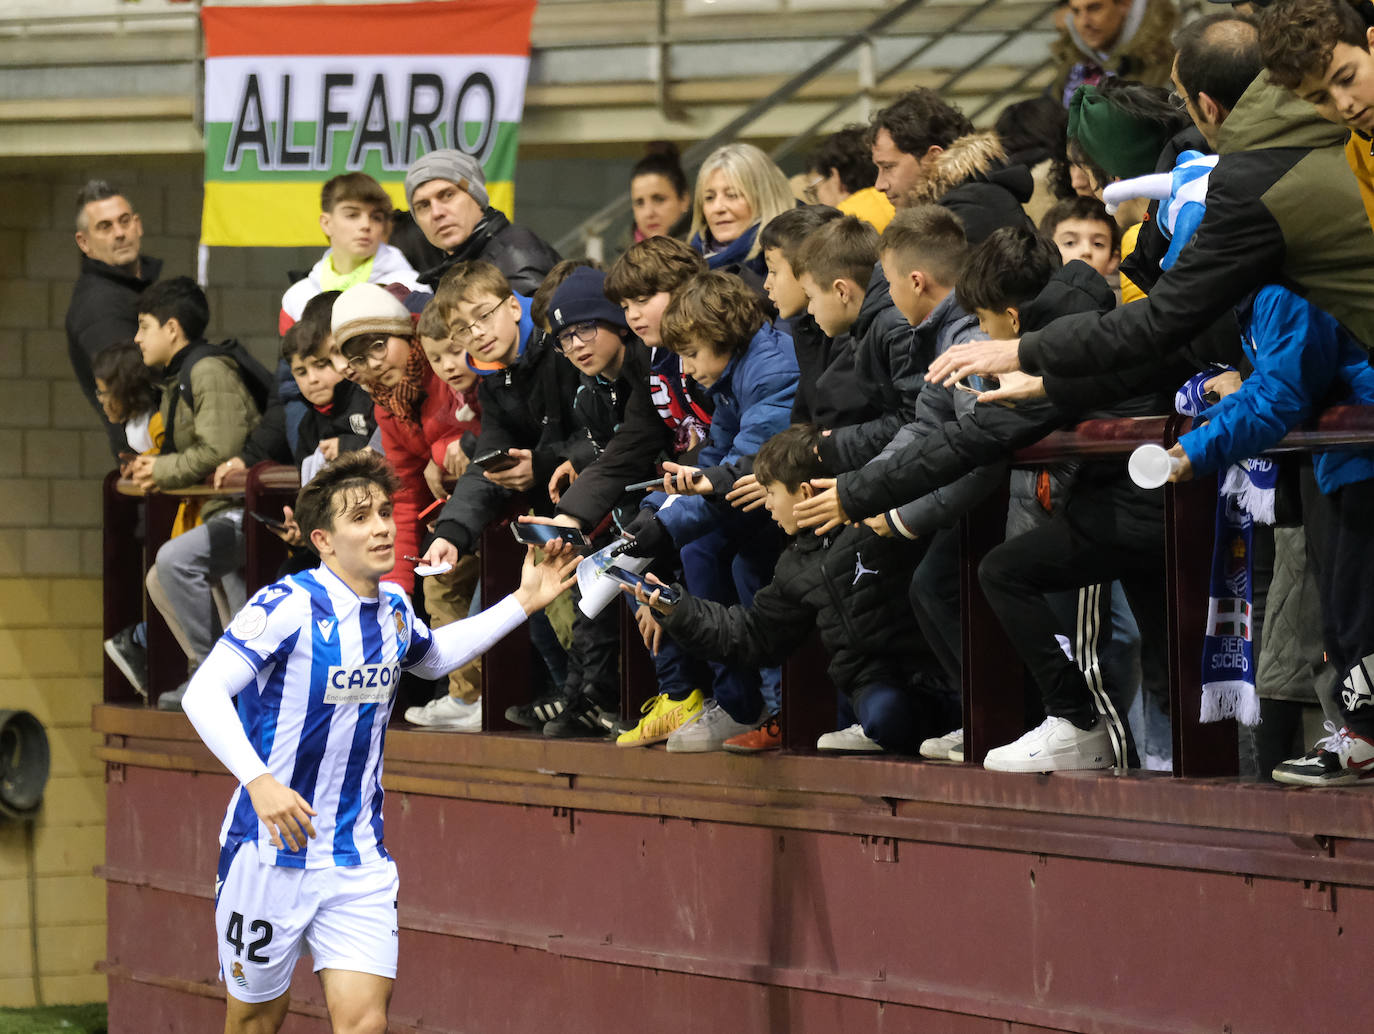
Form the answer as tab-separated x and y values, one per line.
767	736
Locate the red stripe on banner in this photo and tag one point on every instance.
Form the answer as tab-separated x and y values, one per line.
447	27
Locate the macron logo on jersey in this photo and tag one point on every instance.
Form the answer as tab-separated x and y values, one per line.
326	627
365	684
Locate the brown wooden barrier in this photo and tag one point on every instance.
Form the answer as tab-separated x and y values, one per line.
993	679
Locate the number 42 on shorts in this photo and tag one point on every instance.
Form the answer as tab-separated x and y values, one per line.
233	935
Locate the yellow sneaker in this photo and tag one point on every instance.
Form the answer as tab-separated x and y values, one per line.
662	717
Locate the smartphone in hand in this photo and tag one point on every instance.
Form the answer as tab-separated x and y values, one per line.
543	534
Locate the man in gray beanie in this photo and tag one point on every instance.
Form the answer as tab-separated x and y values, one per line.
447	195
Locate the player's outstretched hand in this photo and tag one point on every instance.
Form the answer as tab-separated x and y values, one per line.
285	812
542	583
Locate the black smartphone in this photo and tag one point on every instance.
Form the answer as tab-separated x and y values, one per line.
495	461
624	577
543	534
271	522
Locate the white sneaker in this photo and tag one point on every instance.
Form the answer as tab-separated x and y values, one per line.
708	731
937	748
447	714
852	740
1055	745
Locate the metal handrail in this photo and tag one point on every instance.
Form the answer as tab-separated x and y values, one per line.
596	223
1040	11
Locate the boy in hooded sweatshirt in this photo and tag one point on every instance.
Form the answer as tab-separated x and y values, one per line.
355	215
717	327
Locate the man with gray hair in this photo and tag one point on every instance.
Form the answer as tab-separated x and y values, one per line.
113	274
447	195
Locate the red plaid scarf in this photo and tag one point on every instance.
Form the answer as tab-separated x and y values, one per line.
403	401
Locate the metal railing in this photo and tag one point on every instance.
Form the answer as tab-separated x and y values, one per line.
588	237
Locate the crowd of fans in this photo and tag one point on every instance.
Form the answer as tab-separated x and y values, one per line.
816	380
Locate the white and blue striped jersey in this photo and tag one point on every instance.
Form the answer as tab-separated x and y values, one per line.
325	665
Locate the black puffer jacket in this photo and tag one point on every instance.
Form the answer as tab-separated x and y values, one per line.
527	405
850	583
828	390
988	201
993	432
890	367
599	410
103	312
523	257
630	455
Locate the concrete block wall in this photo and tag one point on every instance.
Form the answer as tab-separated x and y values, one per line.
52	459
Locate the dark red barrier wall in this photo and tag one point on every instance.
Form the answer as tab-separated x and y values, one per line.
578	888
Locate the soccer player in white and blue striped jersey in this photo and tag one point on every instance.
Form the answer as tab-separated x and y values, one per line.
313	662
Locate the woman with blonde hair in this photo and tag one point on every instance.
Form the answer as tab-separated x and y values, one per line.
739	189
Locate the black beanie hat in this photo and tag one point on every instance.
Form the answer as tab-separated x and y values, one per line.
581	298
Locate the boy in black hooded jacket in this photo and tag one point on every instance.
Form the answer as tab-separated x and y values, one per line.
1107	530
849	584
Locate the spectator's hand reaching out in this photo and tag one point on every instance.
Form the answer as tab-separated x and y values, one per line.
1014	387
563	476
649	629
974	357
519	478
747	494
823	511
329	449
440	552
879	526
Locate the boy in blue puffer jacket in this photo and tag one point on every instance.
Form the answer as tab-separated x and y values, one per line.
748	367
1303	361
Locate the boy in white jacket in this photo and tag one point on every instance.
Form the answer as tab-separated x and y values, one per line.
355	214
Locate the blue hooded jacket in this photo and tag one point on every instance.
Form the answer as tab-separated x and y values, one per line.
753	402
1304	361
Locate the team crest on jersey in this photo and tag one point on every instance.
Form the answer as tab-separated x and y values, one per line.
400	619
239	978
249	623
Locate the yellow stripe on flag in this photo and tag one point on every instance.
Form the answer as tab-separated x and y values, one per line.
287	215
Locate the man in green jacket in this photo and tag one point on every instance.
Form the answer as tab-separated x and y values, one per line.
1282	207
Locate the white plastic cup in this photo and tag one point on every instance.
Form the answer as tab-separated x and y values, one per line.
1151	465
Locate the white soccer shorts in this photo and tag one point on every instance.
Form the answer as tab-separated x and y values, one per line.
345	916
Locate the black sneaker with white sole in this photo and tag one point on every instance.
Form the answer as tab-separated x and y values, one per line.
584	716
539	713
130	658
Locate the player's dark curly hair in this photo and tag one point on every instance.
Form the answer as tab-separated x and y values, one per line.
319	502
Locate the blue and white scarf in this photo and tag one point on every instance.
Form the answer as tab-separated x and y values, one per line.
1244	498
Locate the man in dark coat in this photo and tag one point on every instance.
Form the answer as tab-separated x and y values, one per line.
447	194
113	274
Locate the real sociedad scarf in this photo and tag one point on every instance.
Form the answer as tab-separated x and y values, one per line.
1244	498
